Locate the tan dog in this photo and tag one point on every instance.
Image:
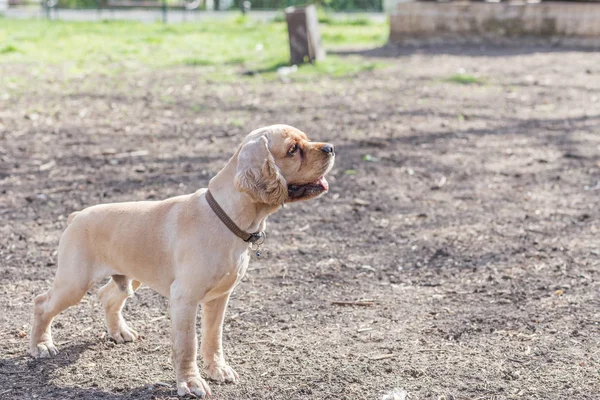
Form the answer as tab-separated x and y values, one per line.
182	249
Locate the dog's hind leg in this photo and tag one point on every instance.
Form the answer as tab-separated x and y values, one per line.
70	285
113	296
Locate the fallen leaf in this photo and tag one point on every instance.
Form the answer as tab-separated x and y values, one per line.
370	158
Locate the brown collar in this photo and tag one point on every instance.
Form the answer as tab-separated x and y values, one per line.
245	236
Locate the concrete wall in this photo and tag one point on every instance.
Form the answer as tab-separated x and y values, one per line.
423	20
390	5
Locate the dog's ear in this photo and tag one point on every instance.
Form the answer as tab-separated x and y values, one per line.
258	176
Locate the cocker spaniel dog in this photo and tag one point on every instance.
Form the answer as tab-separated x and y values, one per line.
194	249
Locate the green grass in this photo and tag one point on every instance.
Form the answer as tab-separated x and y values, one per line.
464	79
8	49
226	47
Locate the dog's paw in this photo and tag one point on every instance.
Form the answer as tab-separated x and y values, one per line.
221	373
123	334
195	385
43	350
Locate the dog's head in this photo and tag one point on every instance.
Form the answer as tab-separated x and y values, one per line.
278	164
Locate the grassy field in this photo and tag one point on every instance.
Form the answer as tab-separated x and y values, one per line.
221	48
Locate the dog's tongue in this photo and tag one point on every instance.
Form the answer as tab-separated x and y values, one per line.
323	182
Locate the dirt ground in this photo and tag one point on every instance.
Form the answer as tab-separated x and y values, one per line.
467	214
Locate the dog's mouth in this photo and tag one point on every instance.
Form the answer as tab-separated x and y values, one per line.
308	190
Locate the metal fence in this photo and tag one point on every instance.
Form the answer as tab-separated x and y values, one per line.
198	5
333	5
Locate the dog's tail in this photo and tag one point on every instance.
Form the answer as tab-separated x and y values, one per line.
73	215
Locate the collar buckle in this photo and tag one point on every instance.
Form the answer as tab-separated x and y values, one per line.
257	238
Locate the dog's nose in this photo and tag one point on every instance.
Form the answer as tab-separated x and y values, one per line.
327	148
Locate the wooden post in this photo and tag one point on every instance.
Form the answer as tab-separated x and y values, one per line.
303	31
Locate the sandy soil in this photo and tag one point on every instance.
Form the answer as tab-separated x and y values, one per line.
467	214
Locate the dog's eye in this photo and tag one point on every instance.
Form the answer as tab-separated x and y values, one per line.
293	150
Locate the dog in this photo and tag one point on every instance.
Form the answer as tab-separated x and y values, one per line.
186	248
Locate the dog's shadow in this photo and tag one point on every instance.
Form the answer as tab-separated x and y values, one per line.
22	377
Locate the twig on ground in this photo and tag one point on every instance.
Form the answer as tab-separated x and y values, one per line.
354	303
383	356
432	350
287	346
515	360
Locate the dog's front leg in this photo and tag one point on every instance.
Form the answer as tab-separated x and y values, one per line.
185	343
213	313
